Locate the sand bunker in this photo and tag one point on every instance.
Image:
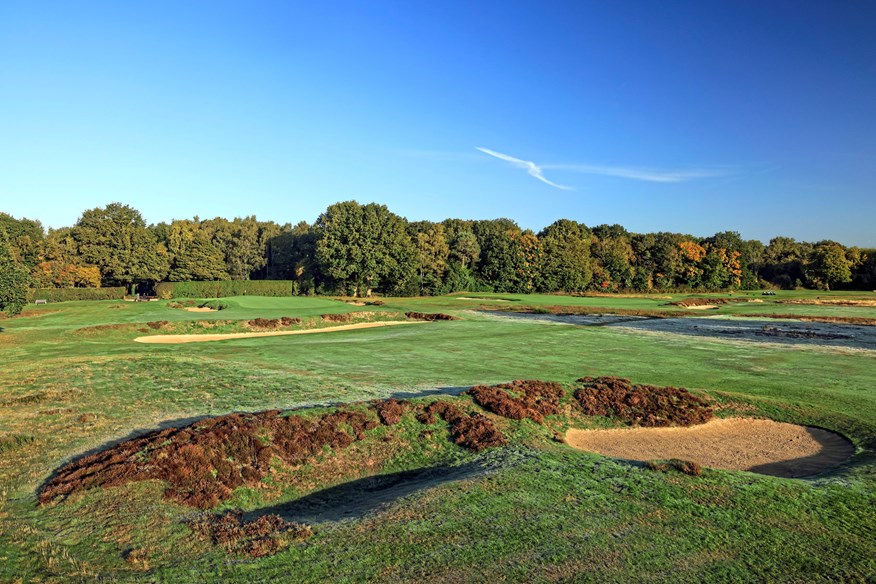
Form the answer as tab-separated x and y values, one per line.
703	307
174	339
483	299
761	446
199	309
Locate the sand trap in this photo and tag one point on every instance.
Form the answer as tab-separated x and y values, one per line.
482	299
175	339
761	446
702	307
199	309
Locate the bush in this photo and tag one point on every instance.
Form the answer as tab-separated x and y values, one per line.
643	405
68	294
429	316
223	288
537	399
204	462
260	537
474	431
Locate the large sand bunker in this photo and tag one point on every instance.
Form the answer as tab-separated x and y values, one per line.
761	446
174	339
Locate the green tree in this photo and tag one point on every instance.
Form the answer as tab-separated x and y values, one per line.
116	240
614	256
432	256
25	237
244	243
364	248
194	255
828	265
14	279
565	257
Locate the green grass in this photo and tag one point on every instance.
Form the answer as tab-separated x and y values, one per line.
547	512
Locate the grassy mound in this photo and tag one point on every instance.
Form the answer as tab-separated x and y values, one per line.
642	405
204	462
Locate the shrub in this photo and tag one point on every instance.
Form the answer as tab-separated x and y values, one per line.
537	399
204	462
687	467
390	411
68	294
430	317
260	537
223	288
643	405
475	432
346	317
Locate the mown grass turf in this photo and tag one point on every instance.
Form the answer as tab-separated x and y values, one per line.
546	512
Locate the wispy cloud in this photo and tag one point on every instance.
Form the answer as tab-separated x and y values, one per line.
627	172
533	169
643	174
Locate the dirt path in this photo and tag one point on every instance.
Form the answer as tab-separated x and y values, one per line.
762	446
174	339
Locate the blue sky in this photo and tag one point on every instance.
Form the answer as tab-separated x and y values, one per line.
695	117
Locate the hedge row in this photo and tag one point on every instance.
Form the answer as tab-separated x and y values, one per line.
219	289
64	294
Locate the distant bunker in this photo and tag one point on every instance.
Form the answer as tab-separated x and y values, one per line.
762	446
203	338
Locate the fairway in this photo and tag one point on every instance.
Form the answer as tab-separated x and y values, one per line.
76	383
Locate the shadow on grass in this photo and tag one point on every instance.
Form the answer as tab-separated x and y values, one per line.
356	499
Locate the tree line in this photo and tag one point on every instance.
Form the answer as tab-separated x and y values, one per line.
360	249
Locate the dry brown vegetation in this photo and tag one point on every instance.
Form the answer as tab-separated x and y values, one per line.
260	537
345	317
473	431
641	405
689	302
430	316
272	323
519	399
204	462
687	467
390	411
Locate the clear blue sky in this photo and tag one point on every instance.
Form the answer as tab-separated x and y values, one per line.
696	117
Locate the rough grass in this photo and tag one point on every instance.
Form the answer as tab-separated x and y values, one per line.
524	522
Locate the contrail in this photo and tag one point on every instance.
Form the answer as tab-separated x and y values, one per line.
533	169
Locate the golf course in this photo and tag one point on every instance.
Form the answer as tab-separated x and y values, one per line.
426	460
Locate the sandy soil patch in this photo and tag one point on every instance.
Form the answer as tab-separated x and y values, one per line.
831	302
174	339
199	309
481	299
761	446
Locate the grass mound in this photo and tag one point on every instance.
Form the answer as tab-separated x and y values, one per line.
260	537
430	316
642	405
204	462
536	399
